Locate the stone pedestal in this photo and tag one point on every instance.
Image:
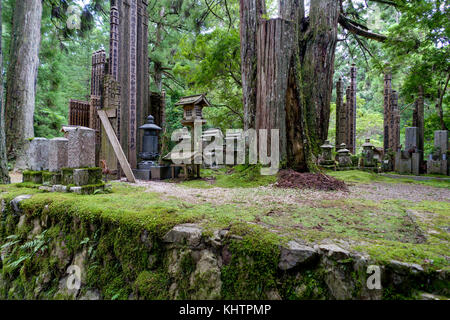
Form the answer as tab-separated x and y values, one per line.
80	147
38	154
82	177
437	167
407	163
57	154
438	162
153	173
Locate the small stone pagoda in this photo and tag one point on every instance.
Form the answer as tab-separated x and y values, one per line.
326	158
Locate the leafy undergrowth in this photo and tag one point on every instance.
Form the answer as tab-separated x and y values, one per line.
356	176
383	229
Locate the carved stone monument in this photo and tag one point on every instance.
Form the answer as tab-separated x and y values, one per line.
438	161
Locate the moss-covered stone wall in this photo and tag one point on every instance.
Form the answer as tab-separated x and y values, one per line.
124	259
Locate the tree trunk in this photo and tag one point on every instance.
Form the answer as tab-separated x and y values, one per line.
4	176
317	51
439	108
295	63
250	13
21	78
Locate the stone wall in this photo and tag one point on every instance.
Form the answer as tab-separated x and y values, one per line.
41	242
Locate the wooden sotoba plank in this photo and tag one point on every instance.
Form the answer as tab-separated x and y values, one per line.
116	146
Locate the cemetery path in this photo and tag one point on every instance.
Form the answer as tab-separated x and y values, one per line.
272	195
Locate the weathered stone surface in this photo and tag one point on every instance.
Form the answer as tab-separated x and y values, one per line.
189	233
77	190
57	154
91	295
80	147
15	203
295	254
441	140
38	154
206	277
59	188
80	261
411	138
429	296
405	268
334	252
437	167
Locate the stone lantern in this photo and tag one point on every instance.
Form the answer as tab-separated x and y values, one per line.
327	158
149	143
148	168
368	153
343	156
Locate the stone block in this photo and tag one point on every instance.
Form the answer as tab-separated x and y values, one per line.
161	173
57	154
80	147
141	174
59	188
38	154
32	176
441	140
81	177
437	167
411	138
51	178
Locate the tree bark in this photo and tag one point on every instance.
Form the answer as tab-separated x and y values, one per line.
317	52
251	12
4	176
439	108
21	78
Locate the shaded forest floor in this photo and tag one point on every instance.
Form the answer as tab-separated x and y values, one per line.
387	218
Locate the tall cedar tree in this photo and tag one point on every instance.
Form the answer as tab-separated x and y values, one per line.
294	64
4	177
21	78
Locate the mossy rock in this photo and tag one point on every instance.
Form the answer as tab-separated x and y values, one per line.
32	176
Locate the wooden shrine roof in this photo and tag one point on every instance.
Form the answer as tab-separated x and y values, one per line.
194	99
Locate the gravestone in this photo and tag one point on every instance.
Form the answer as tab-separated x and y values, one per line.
38	154
438	162
441	140
57	154
408	160
411	138
80	147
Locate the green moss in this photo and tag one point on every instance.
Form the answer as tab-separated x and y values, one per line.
240	176
251	273
152	285
358	176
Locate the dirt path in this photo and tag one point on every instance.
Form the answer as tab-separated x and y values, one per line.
264	195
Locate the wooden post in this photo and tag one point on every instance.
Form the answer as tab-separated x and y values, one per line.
420	121
116	145
352	109
387	108
339	110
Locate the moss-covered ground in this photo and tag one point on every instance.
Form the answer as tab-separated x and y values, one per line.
404	229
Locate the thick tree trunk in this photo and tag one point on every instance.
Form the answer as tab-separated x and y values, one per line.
295	64
250	14
4	176
21	79
317	48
